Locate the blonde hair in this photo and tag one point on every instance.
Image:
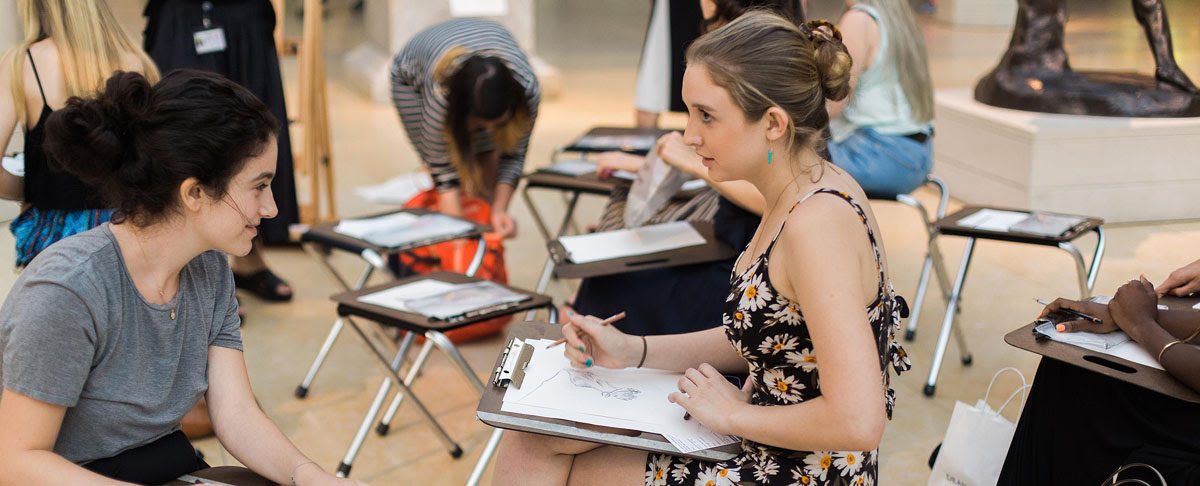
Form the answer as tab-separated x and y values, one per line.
906	44
765	61
89	40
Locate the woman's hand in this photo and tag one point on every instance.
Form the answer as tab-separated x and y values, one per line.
671	149
309	474
590	344
1134	305
503	224
609	162
1182	282
1093	309
708	397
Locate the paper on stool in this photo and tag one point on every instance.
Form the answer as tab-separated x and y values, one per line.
608	245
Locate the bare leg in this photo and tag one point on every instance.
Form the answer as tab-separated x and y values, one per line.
531	459
1153	17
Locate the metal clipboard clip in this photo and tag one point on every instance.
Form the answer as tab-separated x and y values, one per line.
513	361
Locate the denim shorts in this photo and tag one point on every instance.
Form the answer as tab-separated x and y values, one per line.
884	165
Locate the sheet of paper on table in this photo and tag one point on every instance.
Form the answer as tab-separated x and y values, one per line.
399	229
643	240
627	398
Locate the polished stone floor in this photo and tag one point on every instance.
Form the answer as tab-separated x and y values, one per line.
597	63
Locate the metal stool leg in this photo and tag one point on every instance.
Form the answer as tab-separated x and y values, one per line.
336	329
485	458
360	436
1087	274
932	255
453	447
948	322
386	423
443	343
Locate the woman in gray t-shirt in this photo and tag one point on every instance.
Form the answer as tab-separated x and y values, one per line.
109	337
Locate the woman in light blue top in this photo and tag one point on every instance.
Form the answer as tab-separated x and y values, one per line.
883	134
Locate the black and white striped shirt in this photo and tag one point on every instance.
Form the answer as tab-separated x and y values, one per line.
421	101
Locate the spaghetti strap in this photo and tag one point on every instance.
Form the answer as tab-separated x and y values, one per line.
861	214
38	78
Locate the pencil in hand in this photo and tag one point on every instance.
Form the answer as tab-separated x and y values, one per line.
605	322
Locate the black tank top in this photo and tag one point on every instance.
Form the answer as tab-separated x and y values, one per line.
47	186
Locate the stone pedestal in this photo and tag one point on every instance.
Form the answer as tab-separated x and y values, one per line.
977	13
1120	169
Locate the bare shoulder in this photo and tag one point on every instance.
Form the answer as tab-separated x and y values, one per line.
823	220
857	22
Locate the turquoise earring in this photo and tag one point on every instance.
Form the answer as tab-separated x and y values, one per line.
769	154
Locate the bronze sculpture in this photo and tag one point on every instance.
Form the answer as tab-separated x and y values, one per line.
1034	74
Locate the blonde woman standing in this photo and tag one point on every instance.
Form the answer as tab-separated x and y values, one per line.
810	292
71	47
883	133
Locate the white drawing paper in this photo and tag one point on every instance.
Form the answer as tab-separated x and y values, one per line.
993	219
402	228
626	398
644	240
571	167
395	297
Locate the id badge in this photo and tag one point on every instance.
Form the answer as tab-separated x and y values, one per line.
209	41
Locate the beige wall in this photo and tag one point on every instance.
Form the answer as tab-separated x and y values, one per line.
10	25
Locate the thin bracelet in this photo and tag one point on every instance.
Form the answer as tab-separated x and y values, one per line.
293	475
1165	348
643	361
1193	336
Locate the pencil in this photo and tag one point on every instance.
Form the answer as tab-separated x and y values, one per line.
605	322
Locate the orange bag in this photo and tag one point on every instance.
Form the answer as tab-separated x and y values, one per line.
442	256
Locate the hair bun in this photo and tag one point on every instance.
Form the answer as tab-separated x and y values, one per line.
91	138
832	59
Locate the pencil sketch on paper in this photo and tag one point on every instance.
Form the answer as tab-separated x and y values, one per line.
584	379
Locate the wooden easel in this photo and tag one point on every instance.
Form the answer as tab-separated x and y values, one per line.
315	158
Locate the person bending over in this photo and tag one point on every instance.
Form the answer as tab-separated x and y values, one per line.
810	292
110	336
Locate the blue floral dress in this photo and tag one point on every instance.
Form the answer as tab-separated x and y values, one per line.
769	331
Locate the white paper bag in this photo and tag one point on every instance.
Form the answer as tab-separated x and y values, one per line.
655	184
976	442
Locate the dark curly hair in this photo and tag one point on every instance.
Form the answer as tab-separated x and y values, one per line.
727	10
136	143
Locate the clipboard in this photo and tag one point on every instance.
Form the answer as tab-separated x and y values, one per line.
713	250
1111	366
222	476
501	376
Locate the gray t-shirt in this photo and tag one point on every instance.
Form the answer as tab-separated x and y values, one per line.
75	332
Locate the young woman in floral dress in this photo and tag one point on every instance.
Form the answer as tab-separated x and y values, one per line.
810	292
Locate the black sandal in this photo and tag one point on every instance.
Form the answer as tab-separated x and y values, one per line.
263	284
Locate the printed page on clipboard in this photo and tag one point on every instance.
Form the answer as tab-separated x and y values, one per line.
399	229
644	240
629	398
445	301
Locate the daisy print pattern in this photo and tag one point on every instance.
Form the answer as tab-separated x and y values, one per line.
755	295
783	386
656	475
768	330
805	359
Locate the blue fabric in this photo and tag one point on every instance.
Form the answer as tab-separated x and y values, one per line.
36	229
884	165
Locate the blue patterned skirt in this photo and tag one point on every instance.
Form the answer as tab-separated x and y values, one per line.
36	229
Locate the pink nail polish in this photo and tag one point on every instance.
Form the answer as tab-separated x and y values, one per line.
1060	328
